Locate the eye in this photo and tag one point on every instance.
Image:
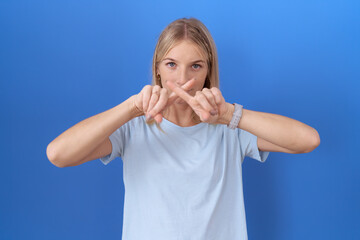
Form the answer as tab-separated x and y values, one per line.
171	64
196	66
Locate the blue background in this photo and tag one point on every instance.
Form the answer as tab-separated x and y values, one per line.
64	61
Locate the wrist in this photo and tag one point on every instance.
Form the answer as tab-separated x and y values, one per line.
134	111
234	123
226	117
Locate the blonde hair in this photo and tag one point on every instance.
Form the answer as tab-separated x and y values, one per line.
187	29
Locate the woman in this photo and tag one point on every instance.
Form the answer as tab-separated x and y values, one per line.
182	145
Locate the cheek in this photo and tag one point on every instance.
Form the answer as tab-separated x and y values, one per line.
203	74
165	78
199	84
168	76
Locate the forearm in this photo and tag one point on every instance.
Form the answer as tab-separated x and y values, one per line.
280	130
78	141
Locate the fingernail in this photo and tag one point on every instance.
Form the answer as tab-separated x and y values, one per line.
213	112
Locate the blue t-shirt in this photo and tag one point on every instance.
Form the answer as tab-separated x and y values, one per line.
183	183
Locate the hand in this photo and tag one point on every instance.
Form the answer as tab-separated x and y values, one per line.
153	100
208	104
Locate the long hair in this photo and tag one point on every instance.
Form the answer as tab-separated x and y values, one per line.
187	29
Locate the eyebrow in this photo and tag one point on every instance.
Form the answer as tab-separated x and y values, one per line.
171	59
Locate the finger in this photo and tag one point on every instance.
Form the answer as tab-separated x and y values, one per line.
154	98
211	99
187	86
204	103
158	117
218	96
161	103
146	97
180	92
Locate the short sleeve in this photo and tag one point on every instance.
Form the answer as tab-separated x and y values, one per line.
117	140
249	147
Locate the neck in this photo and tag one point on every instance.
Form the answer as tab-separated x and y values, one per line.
181	114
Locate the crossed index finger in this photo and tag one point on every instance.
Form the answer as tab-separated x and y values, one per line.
187	86
179	91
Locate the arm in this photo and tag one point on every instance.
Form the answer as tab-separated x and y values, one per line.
89	139
276	133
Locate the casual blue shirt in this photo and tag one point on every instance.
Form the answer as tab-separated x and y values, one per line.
183	183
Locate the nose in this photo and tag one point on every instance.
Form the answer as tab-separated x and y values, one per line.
183	77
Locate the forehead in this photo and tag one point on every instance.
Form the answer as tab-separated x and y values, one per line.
186	49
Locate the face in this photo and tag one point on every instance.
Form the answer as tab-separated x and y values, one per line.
182	63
